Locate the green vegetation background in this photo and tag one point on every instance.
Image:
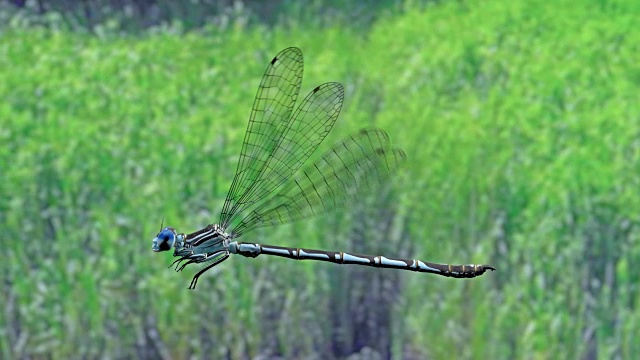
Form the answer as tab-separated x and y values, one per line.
521	120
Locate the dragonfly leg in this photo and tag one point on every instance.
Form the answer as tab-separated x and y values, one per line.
192	260
194	281
199	258
184	255
177	262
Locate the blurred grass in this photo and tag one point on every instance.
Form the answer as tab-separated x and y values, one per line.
521	121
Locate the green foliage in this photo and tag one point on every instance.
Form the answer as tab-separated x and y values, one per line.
521	121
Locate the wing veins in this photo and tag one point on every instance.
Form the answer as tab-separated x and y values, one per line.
273	105
352	165
308	127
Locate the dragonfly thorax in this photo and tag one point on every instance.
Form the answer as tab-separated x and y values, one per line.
208	240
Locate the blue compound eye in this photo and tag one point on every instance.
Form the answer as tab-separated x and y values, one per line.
164	240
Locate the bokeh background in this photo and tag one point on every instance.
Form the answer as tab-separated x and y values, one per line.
520	119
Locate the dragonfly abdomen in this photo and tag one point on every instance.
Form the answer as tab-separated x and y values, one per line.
456	271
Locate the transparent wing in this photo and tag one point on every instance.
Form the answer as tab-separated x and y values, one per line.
286	143
363	161
269	117
310	124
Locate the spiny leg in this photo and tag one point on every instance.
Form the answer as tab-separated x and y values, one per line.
192	259
200	258
177	262
184	255
194	281
187	263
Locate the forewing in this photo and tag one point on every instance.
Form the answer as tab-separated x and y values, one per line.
270	115
310	124
361	162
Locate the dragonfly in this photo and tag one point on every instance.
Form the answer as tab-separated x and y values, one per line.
272	184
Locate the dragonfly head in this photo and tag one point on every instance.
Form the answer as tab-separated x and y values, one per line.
166	239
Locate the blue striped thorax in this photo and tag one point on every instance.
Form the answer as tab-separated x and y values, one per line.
206	241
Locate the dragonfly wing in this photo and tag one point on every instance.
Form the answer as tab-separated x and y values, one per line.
269	117
362	161
309	125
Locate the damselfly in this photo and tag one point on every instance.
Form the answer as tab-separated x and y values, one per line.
270	187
